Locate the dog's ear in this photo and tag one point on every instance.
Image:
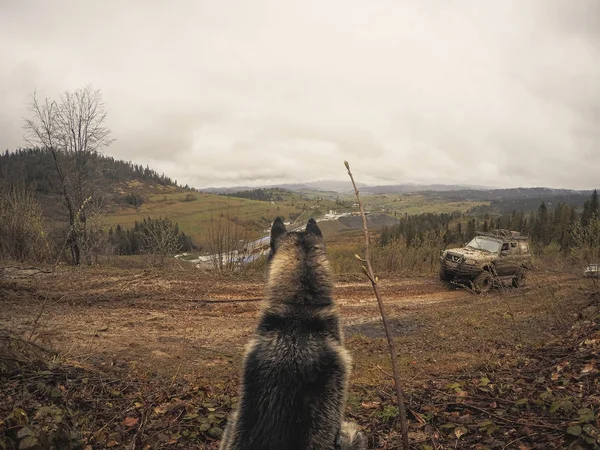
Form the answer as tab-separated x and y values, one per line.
277	230
313	228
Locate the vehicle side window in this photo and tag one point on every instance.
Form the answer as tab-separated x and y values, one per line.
505	247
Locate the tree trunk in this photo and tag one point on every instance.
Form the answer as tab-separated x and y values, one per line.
75	252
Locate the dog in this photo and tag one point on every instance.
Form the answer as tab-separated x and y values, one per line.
296	369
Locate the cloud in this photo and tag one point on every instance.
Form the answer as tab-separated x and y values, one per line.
470	92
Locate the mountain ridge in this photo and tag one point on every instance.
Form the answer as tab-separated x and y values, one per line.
406	188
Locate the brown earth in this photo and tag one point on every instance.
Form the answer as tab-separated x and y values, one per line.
190	325
177	321
187	322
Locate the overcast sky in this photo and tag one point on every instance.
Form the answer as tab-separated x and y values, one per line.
216	93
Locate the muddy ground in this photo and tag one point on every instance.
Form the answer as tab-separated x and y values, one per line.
198	323
155	330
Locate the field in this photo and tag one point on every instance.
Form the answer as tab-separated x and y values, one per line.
193	210
145	359
418	203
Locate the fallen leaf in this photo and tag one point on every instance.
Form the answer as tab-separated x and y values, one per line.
25	431
131	421
215	432
460	431
28	442
161	409
370	405
586	415
419	417
587	369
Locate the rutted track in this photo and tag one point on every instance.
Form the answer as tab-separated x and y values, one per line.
183	321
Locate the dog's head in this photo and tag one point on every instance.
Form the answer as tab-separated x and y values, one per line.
298	257
281	238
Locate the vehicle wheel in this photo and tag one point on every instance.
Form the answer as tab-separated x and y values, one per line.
482	282
519	280
444	276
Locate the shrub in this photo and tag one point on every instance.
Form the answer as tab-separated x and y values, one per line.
22	235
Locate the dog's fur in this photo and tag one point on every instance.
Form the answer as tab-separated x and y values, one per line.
296	369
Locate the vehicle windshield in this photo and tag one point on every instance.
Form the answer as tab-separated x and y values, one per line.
483	243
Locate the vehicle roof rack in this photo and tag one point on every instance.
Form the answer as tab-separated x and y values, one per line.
503	234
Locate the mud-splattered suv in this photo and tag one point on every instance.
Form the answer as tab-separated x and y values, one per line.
500	257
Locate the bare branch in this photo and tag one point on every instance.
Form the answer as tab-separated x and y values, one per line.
368	270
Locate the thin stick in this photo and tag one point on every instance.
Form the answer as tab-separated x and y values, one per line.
392	347
37	319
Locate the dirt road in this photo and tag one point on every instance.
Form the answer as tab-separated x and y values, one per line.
186	322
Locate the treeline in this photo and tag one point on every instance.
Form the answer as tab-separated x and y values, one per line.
35	167
536	195
543	226
508	205
413	229
265	195
159	235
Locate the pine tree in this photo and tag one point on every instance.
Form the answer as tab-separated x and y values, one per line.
594	203
541	228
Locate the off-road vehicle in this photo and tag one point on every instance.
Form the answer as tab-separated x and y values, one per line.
490	259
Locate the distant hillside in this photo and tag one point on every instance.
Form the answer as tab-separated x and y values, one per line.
324	186
504	201
497	201
263	194
417	188
513	194
35	167
131	193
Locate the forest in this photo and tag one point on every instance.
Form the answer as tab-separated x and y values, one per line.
543	225
35	167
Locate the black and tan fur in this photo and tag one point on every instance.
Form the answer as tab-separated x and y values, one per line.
296	369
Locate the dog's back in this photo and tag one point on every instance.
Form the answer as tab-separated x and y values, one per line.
296	369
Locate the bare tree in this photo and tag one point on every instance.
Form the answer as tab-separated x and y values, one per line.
160	237
73	130
227	242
